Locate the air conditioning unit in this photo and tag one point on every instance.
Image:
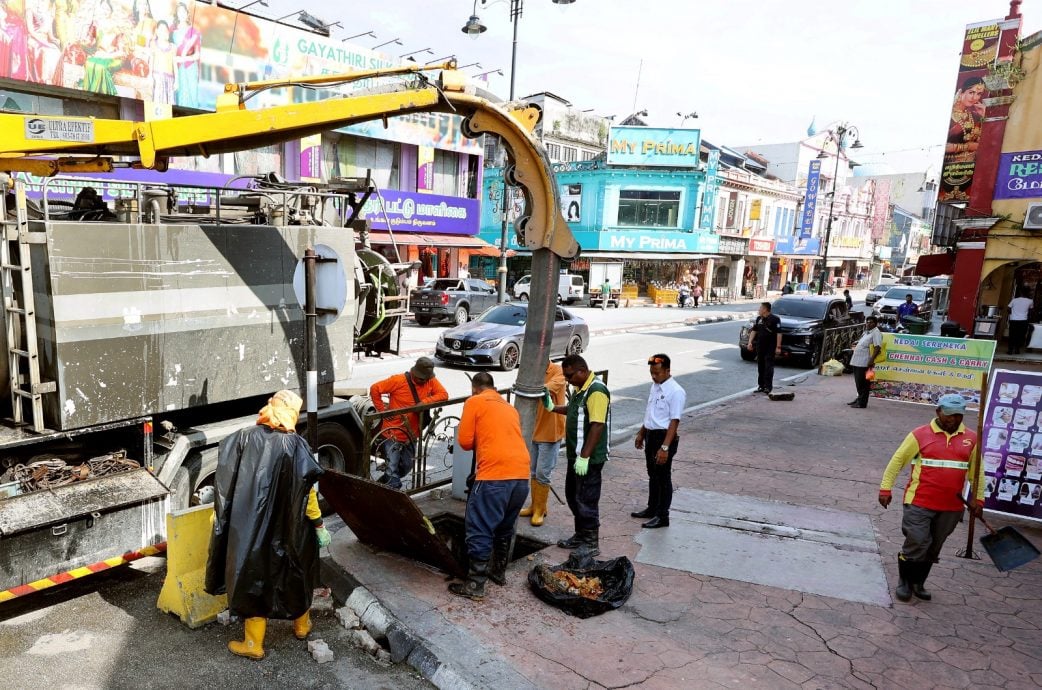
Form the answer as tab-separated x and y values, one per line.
1033	218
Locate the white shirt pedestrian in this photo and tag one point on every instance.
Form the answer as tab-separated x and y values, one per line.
862	356
1019	308
666	402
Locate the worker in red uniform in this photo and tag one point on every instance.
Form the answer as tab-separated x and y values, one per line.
400	433
942	454
491	427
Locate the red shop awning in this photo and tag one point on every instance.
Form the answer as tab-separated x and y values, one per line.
930	265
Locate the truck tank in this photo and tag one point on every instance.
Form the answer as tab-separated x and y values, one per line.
158	305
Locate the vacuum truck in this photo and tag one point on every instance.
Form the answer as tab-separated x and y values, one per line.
144	323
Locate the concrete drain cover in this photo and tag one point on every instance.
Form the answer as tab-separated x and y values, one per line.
806	549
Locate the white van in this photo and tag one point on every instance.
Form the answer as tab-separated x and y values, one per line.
570	288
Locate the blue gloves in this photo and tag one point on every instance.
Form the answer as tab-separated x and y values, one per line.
582	465
323	537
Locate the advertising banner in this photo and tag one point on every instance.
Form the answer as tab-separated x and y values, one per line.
572	202
418	212
709	191
1020	175
311	158
425	169
699	242
980	45
660	146
810	199
922	368
880	209
1012	444
798	246
183	52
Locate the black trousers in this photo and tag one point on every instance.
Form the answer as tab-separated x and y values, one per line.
864	386
1018	335
583	495
660	477
765	369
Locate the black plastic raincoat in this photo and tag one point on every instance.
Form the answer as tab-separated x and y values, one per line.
264	551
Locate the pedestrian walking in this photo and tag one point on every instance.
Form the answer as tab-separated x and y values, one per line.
848	299
659	438
787	288
942	454
400	433
867	349
696	294
545	445
907	308
587	422
491	427
605	293
1019	313
265	496
765	339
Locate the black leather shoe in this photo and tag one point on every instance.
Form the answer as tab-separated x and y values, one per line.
646	513
656	522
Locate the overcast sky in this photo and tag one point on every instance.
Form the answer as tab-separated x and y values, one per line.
754	70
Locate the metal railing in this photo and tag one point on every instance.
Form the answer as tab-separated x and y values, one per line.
432	461
838	339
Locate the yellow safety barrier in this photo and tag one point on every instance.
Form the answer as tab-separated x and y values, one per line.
187	547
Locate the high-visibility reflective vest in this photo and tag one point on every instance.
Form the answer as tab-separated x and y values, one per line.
940	468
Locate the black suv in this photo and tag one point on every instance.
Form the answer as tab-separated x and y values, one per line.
804	320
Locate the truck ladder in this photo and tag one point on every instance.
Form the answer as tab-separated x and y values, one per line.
16	273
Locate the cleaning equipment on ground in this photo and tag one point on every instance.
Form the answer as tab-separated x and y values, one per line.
582	586
1007	548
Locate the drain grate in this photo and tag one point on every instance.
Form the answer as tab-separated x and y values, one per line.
451	528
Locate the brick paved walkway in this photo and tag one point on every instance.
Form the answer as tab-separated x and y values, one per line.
682	630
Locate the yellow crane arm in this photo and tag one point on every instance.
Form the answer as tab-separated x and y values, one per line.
25	139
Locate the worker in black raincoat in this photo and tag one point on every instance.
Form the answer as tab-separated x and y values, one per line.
267	525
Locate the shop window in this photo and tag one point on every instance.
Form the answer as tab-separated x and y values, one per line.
647	208
382	158
473	164
446	173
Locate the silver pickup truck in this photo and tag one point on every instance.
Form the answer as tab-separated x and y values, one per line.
451	299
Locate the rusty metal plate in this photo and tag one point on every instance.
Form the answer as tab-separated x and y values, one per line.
386	519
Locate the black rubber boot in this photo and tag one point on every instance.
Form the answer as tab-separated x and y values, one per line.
474	586
922	571
906	575
590	542
497	567
573	542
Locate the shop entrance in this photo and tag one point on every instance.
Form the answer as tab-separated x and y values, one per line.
1015	279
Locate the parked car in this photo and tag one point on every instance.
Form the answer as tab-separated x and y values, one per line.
877	293
939	281
570	288
887	279
804	319
494	338
886	307
452	299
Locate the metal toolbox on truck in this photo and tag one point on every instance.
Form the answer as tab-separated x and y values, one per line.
55	530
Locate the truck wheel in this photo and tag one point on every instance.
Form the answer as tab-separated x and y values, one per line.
423	320
509	359
523	297
193	481
338	451
461	315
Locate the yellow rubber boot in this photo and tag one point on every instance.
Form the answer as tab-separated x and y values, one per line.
527	512
540	492
253	646
302	626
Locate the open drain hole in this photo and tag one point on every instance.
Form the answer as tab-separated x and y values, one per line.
451	529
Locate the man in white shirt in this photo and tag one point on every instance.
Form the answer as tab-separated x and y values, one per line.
659	437
1019	311
864	357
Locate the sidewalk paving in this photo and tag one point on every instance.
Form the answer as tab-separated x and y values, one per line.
682	629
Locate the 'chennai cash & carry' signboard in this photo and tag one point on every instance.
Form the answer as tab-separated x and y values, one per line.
922	368
1012	444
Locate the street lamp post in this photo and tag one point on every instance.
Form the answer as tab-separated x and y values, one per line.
837	135
475	28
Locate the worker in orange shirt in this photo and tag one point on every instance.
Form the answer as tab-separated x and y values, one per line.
418	386
491	427
545	446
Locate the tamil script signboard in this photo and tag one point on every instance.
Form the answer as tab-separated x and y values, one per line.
1012	444
1020	175
417	212
922	368
810	199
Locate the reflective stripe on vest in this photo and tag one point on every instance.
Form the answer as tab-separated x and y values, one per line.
949	464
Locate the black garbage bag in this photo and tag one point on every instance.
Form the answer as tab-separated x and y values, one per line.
616	578
264	551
